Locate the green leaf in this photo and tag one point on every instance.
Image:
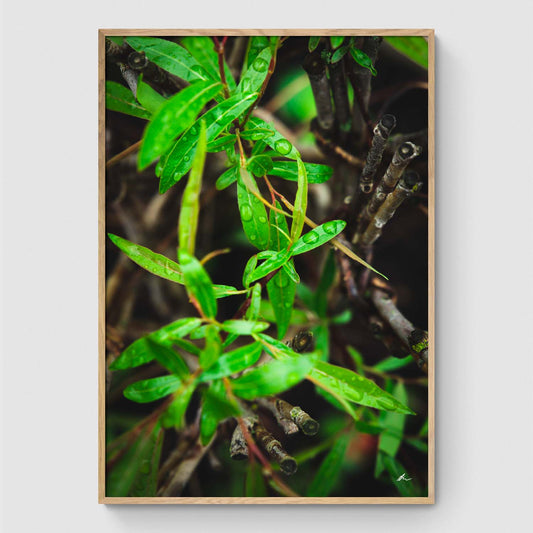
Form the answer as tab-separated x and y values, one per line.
120	98
256	134
141	351
227	178
244	327
256	45
253	213
213	347
356	388
274	377
149	390
393	363
203	50
220	144
358	359
415	48
339	54
174	415
318	236
252	313
221	291
117	40
170	57
277	260
256	73
259	165
215	407
394	423
155	263
336	41
198	283
169	359
313	42
233	362
248	270
424	429
326	280
276	141
300	203
149	98
362	59
179	159
331	468
173	118
342	318
135	473
321	340
289	170
417	444
190	202
281	288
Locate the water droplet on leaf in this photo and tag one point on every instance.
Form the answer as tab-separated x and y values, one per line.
260	64
332	227
283	146
310	238
246	212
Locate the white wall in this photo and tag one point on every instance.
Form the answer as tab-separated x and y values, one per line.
484	311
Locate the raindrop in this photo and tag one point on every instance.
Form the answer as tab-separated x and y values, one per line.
310	238
262	220
260	64
283	146
246	212
385	403
332	227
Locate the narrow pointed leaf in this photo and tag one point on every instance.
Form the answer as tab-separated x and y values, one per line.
253	213
213	347
190	202
336	41
255	75
170	57
252	312
313	42
216	407
174	415
149	390
233	362
273	263
167	357
331	469
318	236
120	98
393	363
273	378
244	327
288	170
256	134
220	144
256	45
173	118
227	178
276	141
362	59
149	98
394	423
260	165
300	203
155	263
198	283
356	388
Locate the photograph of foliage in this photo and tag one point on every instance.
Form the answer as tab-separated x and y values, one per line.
266	266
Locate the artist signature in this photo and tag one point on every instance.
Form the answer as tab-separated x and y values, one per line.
403	477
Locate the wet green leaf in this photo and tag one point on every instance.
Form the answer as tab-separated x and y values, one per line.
155	263
120	98
170	57
203	50
313	42
277	260
253	213
178	160
190	202
321	341
331	468
393	363
336	41
394	423
318	236
221	143
198	283
149	390
248	270
256	45
216	407
362	59
149	98
233	362
289	170
356	388
244	327
173	118
252	312
167	357
358	360
276	141
339	54
256	134
256	73
259	165
227	178
300	203
213	347
174	415
221	291
135	473
273	378
415	48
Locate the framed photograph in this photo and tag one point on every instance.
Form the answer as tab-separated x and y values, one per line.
266	269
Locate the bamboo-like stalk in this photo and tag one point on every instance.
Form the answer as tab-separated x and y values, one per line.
315	67
340	99
308	425
402	157
288	426
130	77
238	448
405	188
275	450
413	338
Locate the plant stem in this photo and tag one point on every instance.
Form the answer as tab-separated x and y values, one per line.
121	155
219	48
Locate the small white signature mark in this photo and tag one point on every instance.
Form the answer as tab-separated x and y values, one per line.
403	477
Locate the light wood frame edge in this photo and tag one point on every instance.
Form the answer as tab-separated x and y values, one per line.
430	499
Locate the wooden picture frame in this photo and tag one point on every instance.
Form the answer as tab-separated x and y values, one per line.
428	34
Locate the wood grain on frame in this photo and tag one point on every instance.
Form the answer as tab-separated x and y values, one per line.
429	34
